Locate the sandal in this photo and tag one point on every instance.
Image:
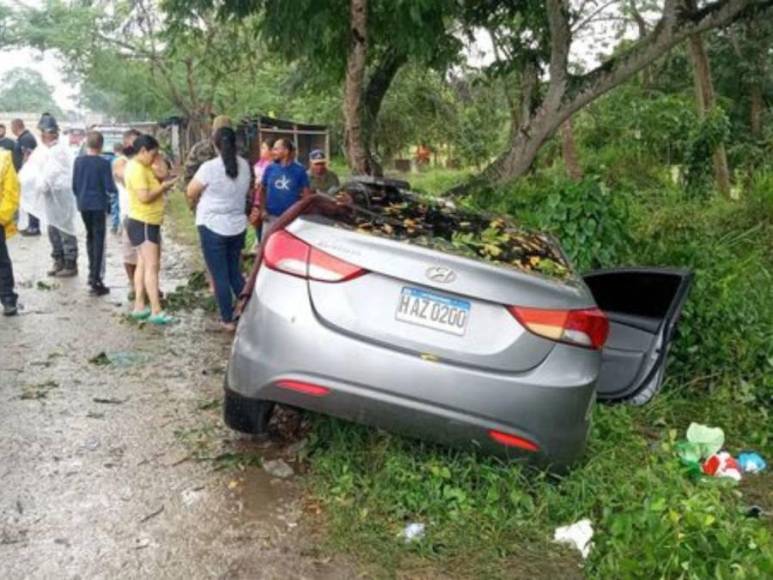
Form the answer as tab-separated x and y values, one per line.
140	314
161	319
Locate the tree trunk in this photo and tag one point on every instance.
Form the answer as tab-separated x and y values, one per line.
704	92
757	107
569	151
356	152
378	85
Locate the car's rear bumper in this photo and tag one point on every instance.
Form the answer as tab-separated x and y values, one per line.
280	338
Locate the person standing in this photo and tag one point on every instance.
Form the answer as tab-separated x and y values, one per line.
119	168
146	214
93	185
46	183
6	144
23	148
284	183
203	150
217	192
9	203
321	179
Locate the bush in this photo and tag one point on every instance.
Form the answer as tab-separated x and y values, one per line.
589	221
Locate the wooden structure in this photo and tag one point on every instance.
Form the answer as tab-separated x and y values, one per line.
252	131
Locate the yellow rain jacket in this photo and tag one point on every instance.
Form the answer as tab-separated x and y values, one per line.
9	194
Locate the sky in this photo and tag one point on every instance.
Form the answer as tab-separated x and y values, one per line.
48	65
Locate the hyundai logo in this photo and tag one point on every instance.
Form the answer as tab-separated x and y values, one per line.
441	274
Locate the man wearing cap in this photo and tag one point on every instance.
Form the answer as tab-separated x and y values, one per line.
204	150
321	179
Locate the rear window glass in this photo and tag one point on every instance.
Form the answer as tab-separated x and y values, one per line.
439	224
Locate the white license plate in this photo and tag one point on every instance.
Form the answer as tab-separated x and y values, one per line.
433	311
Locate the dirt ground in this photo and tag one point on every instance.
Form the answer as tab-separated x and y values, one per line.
101	470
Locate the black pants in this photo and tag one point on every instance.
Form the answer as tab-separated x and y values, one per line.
96	225
7	295
33	223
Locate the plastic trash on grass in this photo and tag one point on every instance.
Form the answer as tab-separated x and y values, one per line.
722	465
577	535
751	462
413	532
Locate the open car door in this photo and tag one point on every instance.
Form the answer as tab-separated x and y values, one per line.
643	306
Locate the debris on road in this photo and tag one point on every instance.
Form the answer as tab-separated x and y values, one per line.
119	359
109	401
578	535
278	468
152	515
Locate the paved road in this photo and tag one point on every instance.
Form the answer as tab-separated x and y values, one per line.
99	469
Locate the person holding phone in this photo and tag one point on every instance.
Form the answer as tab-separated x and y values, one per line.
146	214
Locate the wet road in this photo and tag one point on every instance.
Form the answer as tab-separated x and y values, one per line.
100	464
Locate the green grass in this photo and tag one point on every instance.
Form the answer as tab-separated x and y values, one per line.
486	518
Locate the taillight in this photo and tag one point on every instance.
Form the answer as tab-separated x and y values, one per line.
286	253
304	388
588	327
509	440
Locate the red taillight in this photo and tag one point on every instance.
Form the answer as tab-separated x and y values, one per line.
513	440
304	388
588	327
286	253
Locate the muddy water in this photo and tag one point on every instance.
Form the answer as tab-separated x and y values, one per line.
107	470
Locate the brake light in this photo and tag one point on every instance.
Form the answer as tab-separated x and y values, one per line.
509	440
588	328
286	253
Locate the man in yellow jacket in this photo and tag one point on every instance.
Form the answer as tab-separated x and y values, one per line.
9	203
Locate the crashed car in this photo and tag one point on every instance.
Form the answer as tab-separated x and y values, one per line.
418	317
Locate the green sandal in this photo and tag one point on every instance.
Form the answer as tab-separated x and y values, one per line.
161	319
140	314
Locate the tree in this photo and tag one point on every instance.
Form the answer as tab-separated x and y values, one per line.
26	90
316	34
130	47
539	41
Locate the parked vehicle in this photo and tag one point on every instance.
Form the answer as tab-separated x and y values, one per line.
381	325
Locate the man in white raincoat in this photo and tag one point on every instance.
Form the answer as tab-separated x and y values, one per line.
46	181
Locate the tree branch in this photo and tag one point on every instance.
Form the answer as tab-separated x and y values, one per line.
673	27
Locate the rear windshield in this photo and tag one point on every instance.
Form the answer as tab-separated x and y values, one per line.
438	224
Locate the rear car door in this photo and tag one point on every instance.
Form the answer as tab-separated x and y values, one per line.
643	306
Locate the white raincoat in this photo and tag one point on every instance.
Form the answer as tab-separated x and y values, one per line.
46	186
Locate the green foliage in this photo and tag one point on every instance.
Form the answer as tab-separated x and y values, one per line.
729	315
703	139
26	90
589	220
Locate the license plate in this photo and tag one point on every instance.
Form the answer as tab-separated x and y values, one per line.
433	311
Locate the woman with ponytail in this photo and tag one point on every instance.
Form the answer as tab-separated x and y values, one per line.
218	192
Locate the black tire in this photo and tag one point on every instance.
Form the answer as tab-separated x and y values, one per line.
244	414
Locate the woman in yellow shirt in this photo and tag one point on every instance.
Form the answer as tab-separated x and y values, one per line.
146	214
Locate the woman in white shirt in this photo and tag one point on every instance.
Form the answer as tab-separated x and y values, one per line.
219	192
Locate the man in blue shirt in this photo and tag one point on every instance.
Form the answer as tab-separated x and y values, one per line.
93	185
284	182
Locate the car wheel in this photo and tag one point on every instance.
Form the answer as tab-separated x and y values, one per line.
245	414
